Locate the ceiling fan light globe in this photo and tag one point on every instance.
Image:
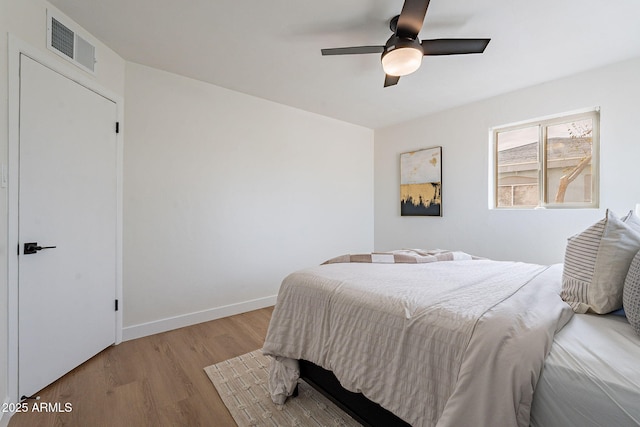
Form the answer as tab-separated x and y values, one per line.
402	61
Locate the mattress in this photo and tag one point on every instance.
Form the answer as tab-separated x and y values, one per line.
591	377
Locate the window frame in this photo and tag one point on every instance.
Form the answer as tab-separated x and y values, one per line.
542	124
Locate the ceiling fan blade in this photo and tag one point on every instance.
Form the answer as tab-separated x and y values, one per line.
355	50
411	18
454	46
390	80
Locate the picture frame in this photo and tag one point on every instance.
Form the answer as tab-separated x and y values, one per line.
421	182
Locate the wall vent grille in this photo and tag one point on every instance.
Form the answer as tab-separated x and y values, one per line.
61	38
68	44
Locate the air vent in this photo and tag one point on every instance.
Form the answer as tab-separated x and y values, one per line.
61	38
68	44
85	53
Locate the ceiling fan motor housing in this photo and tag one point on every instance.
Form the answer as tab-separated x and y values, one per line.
401	56
396	42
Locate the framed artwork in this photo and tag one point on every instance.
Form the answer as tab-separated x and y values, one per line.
421	182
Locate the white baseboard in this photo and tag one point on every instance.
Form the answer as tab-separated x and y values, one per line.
5	416
168	324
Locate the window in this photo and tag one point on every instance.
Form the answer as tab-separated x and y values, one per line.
551	163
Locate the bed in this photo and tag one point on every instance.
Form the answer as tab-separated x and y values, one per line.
591	376
458	341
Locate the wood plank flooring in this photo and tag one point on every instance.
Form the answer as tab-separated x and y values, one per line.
152	381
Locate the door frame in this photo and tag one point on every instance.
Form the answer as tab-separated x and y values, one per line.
17	47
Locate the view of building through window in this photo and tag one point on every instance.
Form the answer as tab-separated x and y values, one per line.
547	163
518	167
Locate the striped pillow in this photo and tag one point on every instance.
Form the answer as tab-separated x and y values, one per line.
631	296
596	264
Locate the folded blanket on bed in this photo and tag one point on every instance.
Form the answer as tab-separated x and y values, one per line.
403	256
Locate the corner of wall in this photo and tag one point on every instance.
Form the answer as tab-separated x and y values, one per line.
4	79
5	416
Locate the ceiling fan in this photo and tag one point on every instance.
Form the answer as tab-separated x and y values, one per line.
402	53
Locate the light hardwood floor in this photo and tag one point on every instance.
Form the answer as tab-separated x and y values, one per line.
153	381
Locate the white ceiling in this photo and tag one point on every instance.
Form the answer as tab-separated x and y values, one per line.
271	49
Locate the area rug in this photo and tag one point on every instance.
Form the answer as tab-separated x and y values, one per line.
241	382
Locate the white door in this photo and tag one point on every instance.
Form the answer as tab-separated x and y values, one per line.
67	199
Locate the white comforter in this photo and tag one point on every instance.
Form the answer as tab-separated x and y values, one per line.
454	343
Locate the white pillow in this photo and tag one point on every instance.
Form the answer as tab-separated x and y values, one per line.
631	296
632	220
596	264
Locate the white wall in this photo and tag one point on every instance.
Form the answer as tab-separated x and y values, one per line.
26	20
468	224
225	194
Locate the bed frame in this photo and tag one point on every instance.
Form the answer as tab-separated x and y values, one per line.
366	412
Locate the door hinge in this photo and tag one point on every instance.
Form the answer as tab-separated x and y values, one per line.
117	127
116	305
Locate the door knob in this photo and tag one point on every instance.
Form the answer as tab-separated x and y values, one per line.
32	248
